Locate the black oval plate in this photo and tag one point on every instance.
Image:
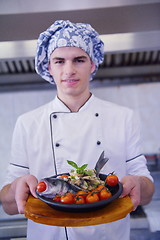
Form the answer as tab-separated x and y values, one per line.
116	192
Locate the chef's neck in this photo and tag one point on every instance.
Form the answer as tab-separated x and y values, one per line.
75	103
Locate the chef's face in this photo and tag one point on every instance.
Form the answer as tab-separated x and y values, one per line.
71	68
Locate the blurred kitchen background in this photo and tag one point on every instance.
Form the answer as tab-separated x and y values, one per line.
129	76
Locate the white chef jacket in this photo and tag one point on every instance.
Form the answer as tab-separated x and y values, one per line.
45	138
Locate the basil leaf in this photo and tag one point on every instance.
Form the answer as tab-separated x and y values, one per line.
83	166
73	164
88	172
79	171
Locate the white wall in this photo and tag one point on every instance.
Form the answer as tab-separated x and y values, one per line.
144	98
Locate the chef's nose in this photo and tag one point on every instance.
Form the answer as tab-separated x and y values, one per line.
69	68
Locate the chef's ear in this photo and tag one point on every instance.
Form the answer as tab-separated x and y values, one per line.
49	68
93	67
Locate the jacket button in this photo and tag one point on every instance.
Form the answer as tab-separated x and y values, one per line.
96	114
54	116
57	144
98	142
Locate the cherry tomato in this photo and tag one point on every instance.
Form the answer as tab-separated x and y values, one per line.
67	198
112	180
82	194
57	198
79	200
92	197
104	194
63	176
99	188
41	187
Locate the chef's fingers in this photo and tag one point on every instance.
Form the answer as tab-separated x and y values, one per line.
135	197
131	187
25	186
32	185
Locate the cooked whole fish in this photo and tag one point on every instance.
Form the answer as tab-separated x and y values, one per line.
100	163
57	186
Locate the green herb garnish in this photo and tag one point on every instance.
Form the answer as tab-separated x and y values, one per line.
88	172
79	170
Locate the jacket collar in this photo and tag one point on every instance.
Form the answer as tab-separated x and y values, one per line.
59	106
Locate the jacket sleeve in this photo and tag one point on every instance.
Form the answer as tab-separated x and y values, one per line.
18	165
136	161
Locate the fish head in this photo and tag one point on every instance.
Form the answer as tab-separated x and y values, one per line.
55	183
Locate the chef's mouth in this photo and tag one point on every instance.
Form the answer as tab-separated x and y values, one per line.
70	81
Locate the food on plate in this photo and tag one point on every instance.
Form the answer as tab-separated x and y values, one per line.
57	198
82	193
55	186
112	179
92	197
84	178
79	199
67	198
80	186
105	194
41	187
63	176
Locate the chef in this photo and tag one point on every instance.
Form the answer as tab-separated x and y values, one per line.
77	126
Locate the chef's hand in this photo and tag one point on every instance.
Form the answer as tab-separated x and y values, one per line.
132	187
14	196
139	188
23	186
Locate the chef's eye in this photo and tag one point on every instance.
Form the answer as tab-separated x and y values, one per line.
59	61
80	60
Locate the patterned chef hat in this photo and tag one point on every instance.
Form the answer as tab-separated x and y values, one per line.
67	34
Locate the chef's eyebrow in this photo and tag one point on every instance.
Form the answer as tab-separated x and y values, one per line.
61	58
57	58
80	57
